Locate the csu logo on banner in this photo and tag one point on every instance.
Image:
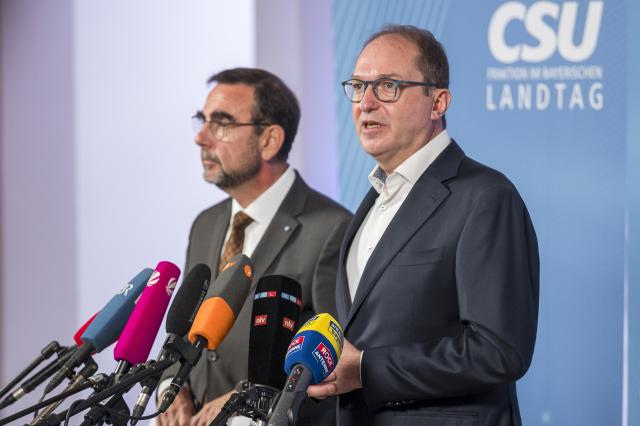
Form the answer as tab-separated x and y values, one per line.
532	34
535	20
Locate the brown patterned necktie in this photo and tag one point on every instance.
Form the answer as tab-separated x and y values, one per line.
236	240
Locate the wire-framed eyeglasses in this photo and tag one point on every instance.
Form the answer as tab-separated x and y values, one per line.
220	129
384	89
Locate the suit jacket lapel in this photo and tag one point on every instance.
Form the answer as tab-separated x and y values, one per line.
423	199
218	232
343	299
282	227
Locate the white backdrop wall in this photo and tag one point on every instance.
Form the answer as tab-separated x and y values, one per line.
39	292
294	41
140	71
100	175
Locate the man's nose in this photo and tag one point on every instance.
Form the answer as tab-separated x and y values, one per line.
368	101
203	137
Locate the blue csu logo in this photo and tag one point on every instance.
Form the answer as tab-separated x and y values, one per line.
549	28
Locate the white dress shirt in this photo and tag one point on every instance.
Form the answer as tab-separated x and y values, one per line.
261	210
391	194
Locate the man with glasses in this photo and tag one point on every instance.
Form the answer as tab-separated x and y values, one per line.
245	131
438	274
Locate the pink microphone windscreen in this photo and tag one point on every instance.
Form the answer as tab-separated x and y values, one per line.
138	335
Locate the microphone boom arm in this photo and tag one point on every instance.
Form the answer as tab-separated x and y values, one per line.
154	369
46	352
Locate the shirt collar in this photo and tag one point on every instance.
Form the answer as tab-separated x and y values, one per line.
264	208
413	167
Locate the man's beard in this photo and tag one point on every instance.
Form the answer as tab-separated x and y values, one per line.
225	180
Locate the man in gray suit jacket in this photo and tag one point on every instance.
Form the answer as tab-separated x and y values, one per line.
245	132
438	274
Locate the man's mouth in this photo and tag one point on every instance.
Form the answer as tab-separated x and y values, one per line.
370	124
210	158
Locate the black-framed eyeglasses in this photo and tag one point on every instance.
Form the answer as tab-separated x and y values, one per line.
220	129
384	89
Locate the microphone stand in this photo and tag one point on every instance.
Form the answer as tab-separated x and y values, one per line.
96	381
252	401
156	368
118	388
180	350
81	378
46	352
97	415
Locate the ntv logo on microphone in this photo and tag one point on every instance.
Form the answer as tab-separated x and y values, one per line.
544	62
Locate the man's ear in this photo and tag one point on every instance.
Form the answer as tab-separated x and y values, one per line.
441	101
271	141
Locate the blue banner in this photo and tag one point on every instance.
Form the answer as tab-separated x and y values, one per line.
540	93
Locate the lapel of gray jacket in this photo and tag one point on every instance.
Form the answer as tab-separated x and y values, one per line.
282	227
218	233
423	199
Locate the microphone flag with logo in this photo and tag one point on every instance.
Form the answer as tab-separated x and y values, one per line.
138	335
312	355
224	300
317	345
215	317
181	314
105	327
136	340
274	320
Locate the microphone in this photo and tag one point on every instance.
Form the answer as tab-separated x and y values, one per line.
274	319
311	357
136	339
80	379
34	381
138	335
188	299
106	327
214	318
77	337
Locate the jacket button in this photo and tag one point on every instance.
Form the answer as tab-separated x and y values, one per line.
212	356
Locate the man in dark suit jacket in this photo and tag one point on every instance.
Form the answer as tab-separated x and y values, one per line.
438	272
245	132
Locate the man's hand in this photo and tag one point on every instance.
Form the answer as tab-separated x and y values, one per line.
210	410
345	378
180	412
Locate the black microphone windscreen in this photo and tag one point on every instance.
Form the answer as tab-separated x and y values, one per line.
187	301
274	321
